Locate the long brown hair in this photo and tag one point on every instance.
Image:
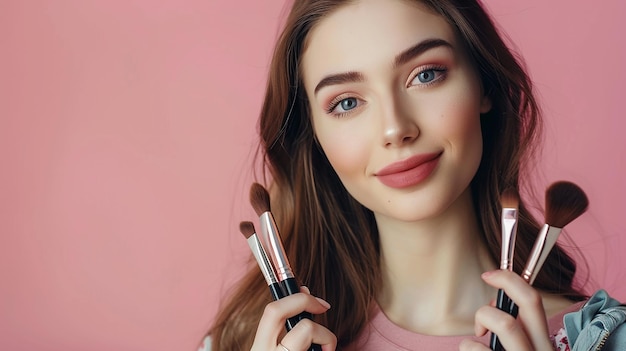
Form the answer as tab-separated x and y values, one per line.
331	239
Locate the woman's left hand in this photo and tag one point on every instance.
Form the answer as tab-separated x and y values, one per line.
529	332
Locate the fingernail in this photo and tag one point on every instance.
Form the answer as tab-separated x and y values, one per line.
487	275
305	289
323	303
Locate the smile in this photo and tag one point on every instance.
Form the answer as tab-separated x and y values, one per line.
409	172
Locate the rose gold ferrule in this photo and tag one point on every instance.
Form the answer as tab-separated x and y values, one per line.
543	245
261	258
271	237
509	232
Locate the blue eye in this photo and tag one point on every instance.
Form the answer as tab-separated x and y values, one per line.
347	104
426	76
429	76
343	105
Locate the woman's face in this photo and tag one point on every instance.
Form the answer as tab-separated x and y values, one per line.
395	106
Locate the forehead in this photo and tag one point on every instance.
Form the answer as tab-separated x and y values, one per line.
369	31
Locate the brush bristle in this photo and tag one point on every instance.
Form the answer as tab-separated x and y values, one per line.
246	228
259	198
565	201
509	198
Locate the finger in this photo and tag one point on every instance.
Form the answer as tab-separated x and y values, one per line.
509	330
479	329
531	311
272	321
471	345
307	332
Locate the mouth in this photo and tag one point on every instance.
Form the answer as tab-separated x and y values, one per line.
409	172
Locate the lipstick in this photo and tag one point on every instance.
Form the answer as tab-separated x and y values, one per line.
409	172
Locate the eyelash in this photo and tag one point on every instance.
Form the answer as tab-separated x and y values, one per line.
442	70
336	101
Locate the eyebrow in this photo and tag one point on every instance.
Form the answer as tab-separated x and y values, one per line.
340	78
402	58
418	49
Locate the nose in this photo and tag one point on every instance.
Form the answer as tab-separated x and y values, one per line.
399	124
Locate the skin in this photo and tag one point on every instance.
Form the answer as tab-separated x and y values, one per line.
384	111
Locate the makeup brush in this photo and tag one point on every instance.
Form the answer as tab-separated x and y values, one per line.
509	199
565	201
247	229
260	200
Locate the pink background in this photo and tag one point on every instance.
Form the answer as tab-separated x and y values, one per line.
126	134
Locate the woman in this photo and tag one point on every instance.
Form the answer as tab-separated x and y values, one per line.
390	128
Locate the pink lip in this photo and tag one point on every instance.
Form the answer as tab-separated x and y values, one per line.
409	172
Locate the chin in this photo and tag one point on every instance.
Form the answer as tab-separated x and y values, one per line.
414	213
425	204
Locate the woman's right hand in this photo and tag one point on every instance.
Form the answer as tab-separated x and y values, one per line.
305	333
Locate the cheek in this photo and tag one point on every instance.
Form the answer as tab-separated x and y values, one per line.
462	125
459	120
463	132
456	125
347	149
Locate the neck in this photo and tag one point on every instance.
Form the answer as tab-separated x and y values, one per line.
432	268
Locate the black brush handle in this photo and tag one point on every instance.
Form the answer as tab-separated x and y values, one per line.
277	293
290	285
503	303
276	290
513	309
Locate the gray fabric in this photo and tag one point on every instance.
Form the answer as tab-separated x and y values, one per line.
598	325
206	344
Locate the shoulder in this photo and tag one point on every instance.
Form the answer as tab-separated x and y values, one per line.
556	306
206	344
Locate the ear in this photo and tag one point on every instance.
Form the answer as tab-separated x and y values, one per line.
485	104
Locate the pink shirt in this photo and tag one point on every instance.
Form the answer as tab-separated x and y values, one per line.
381	334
